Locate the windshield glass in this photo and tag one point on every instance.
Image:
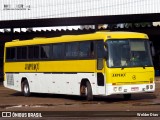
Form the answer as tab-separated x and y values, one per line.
129	53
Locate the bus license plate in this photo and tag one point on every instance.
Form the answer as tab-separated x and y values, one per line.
134	88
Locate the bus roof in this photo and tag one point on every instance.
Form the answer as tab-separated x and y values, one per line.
82	37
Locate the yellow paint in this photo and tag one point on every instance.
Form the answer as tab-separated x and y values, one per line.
52	66
137	75
116	76
84	37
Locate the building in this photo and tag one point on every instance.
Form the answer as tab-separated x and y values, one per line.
39	9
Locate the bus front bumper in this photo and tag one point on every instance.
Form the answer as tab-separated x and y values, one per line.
129	89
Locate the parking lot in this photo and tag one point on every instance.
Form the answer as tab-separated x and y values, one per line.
11	100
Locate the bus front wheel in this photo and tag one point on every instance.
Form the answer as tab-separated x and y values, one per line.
25	89
127	96
86	91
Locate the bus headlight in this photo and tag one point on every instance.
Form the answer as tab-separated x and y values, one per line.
147	87
120	89
115	89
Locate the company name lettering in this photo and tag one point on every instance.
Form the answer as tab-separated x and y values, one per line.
32	66
119	75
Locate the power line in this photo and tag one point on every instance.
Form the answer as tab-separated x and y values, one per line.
90	9
70	3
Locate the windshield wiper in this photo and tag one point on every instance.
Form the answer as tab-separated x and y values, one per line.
144	66
122	67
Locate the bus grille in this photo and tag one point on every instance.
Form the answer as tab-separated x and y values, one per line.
10	80
131	83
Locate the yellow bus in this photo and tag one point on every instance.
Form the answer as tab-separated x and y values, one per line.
88	65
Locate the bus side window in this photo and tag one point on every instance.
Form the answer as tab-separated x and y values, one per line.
100	54
33	52
10	54
21	53
71	50
100	49
58	51
86	49
45	51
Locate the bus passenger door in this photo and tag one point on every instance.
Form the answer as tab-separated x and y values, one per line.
101	86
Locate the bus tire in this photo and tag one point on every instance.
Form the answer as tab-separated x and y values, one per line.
127	96
89	95
86	91
25	89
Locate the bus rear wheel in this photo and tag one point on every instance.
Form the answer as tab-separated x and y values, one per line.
127	96
25	89
86	91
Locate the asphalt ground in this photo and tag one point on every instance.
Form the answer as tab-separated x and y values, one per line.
57	106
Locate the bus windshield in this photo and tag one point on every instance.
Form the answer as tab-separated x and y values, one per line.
129	53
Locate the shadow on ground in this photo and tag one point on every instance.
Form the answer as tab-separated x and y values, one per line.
109	99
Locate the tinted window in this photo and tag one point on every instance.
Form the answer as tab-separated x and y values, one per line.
129	53
86	49
57	50
71	50
100	49
45	51
21	52
33	52
10	53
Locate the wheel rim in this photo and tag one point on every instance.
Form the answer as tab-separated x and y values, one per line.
86	91
26	89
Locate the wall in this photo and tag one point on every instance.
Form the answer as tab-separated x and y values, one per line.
35	9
